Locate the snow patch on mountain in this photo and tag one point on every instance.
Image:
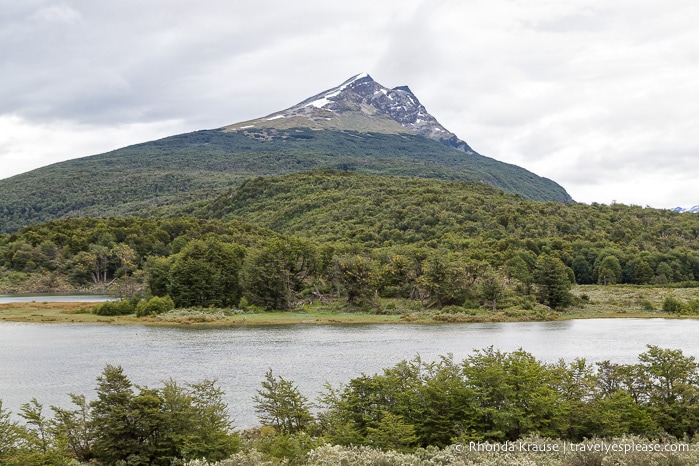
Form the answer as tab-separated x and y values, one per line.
360	97
691	210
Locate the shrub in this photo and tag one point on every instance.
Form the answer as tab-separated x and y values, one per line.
674	305
290	447
154	306
114	308
693	306
646	305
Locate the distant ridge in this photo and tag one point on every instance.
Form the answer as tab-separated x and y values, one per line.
691	210
358	126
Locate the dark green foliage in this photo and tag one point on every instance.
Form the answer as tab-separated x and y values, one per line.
155	427
380	212
582	270
96	251
289	448
154	306
551	278
73	429
492	289
124	422
275	273
641	272
671	388
205	273
195	422
36	434
609	271
673	305
181	169
353	237
157	271
618	414
676	306
392	433
115	308
495	396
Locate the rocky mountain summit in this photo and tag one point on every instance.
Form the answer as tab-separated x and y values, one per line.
361	104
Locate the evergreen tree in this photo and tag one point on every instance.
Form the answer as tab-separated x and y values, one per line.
551	278
126	425
280	404
582	270
642	272
353	275
391	433
73	429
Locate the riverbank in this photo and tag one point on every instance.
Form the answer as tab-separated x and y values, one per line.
594	302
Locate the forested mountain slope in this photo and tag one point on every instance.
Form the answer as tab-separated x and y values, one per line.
384	212
338	206
359	127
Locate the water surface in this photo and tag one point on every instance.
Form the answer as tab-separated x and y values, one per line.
48	361
54	298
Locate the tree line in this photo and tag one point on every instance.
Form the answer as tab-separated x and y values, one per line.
490	396
341	236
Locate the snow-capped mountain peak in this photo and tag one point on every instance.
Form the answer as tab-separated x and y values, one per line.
361	104
691	210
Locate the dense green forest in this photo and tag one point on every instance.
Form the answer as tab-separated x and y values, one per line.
281	242
181	169
423	410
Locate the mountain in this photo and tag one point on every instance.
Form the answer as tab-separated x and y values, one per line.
358	126
691	210
361	104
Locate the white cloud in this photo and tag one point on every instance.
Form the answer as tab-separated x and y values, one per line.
598	96
26	145
59	13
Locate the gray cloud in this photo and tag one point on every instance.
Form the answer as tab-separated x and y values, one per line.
584	92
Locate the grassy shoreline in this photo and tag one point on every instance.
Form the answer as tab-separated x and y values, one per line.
599	302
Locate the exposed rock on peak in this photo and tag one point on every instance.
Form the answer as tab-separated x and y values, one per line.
361	104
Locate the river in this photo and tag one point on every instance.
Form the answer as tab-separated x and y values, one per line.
48	361
55	298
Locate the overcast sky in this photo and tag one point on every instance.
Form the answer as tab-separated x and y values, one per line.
601	96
